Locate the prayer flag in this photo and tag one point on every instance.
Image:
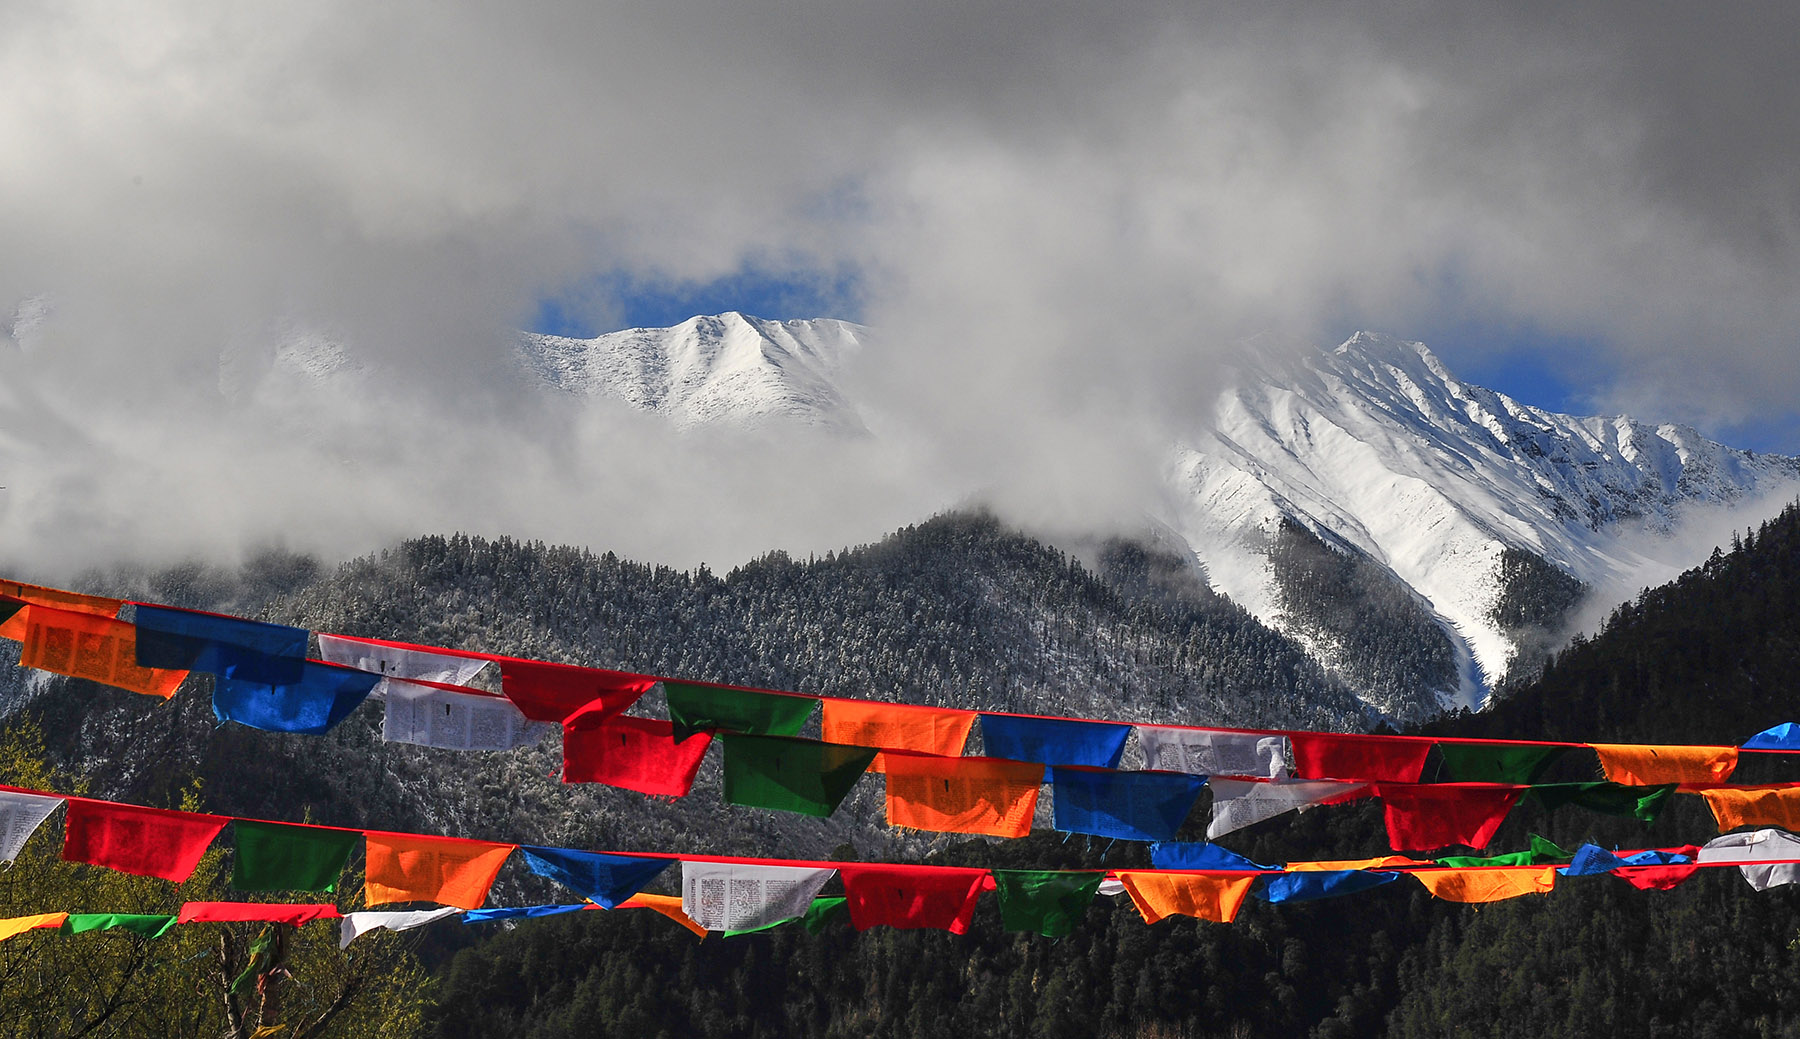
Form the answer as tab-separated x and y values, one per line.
1542	853
1053	741
1644	765
1330	755
634	753
1312	885
1420	818
361	923
606	880
150	842
99	649
1656	878
1785	736
1338	865
324	695
285	857
962	795
484	916
258	912
1644	802
1046	902
402	660
1755	806
20	816
1209	897
1239	803
698	708
12	626
665	905
546	692
427	716
144	925
912	897
1208	752
226	646
1486	885
413	868
822	911
1209	858
1591	859
891	726
730	896
12	927
1133	806
1519	764
1752	851
789	774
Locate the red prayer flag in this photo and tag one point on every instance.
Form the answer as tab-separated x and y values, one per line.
258	912
1420	818
546	692
150	842
936	897
634	753
1656	878
1381	759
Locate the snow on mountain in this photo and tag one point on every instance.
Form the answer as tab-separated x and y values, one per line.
729	368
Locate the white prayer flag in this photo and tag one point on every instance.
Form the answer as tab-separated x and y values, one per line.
1748	848
1238	803
432	717
20	816
417	664
725	896
361	923
1209	752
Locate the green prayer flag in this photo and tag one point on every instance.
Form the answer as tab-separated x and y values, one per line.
1496	762
275	857
698	708
147	925
1644	802
821	912
1049	902
1542	853
791	775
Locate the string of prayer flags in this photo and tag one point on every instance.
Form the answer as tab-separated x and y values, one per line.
1785	736
1053	741
1496	762
1208	858
823	910
1755	806
962	795
1542	853
1751	851
96	648
938	898
548	692
1209	752
289	857
13	627
1646	765
430	716
1313	885
605	880
890	726
1643	802
1420	818
1206	896
733	896
1486	885
632	753
144	925
363	922
697	708
256	912
789	774
150	842
322	696
485	916
14	926
1238	803
664	905
20	816
1133	806
402	660
226	646
414	868
1330	755
1046	902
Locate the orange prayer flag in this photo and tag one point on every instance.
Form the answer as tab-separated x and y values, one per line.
1209	896
962	795
1644	765
928	730
1334	865
406	867
1755	806
20	924
1486	885
84	645
37	595
667	905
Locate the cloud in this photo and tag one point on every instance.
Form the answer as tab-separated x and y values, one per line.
1061	216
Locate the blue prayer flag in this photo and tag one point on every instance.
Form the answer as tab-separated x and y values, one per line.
607	879
1177	855
1785	736
252	651
1591	860
323	696
1309	887
482	916
1133	806
1053	741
